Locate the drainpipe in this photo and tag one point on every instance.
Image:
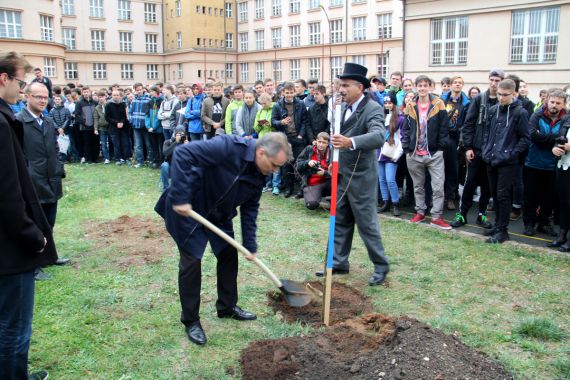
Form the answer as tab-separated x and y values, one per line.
404	36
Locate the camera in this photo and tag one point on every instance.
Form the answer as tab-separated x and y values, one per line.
561	140
182	138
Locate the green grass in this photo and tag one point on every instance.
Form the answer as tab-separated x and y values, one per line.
96	320
540	328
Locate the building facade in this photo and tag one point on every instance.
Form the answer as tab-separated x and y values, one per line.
467	38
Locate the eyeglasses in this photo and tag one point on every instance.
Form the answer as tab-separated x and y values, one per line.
40	98
21	83
503	95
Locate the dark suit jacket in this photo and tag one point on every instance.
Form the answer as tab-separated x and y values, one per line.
23	224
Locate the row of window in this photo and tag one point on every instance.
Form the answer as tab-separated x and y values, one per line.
71	71
123	9
534	37
294	6
98	40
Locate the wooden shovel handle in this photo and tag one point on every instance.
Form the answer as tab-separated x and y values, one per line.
206	223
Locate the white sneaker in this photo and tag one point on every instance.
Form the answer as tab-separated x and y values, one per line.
82	160
137	166
107	162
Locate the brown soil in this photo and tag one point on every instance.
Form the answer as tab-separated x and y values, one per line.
136	240
346	303
371	346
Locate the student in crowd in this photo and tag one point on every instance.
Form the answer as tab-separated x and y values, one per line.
317	115
116	116
40	78
262	126
313	85
84	110
378	89
313	164
407	87
138	112
473	92
425	139
505	140
301	91
258	87
561	151
231	111
102	126
177	116
179	137
154	126
194	113
445	85
165	111
269	88
60	116
245	116
214	112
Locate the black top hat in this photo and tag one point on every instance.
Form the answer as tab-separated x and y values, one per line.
355	72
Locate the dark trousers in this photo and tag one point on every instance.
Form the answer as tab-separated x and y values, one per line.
90	146
501	181
75	144
451	163
16	311
121	144
539	192
289	168
156	141
190	274
476	176
518	187
50	211
563	190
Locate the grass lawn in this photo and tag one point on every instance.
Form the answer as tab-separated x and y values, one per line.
97	320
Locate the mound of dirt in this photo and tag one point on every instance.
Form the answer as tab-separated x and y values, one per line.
370	347
346	303
137	240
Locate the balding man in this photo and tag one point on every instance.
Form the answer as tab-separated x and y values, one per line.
361	133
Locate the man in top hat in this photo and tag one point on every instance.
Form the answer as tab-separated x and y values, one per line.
361	134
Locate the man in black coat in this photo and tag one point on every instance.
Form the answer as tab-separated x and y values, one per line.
26	240
214	178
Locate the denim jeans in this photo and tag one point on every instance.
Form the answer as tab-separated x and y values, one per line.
387	179
165	175
142	137
196	136
167	133
104	139
16	311
121	145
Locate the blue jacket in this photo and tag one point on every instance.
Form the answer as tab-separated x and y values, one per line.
138	111
379	96
543	134
506	135
151	118
194	114
215	176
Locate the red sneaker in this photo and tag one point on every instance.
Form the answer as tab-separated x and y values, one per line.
440	223
418	218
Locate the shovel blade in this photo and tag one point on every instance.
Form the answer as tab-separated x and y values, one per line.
295	294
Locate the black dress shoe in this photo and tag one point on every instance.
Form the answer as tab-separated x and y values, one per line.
237	313
377	278
321	273
62	262
196	333
565	247
287	193
498	238
299	195
490	232
556	243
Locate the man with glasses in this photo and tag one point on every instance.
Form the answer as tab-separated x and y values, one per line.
26	240
506	137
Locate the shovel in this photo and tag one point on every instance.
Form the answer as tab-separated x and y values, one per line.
295	294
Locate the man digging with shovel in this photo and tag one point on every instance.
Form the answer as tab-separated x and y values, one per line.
212	178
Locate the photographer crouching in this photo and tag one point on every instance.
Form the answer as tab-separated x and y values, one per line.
179	137
313	164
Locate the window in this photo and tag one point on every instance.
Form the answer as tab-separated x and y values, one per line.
336	31
242	12
385	25
259	71
275	7
384	64
126	41
314	33
46	27
124	9
259	9
277	72
127	71
358	1
10	24
178	8
69	38
294	6
99	71
96	8
229	10
295	35
276	37
230	40
358	28
67	7
335	3
313	4
449	41
229	70
243	42
152	71
314	67
151	44
97	40
70	70
336	66
360	59
243	72
295	69
179	40
534	35
180	70
149	12
259	39
49	67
